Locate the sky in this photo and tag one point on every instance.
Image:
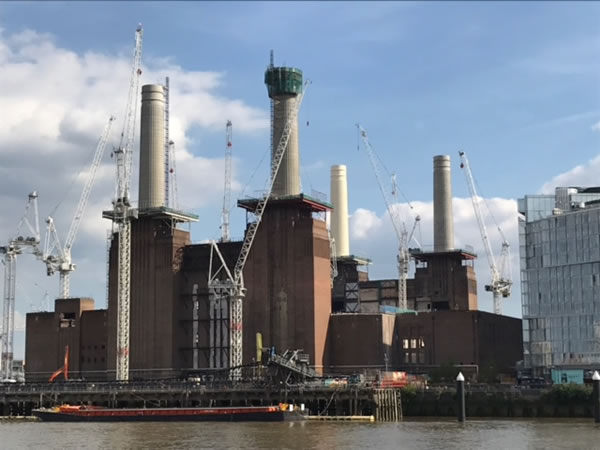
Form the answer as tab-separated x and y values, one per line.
516	85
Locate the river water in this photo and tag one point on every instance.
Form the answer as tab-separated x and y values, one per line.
427	434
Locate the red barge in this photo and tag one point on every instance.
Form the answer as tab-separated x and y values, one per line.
68	413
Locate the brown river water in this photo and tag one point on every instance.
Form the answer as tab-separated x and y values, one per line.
423	434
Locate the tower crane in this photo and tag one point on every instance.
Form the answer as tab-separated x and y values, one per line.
168	168
56	256
173	193
232	286
123	212
227	189
16	246
403	235
501	283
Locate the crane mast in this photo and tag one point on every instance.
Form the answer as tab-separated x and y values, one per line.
15	247
233	285
123	212
225	237
403	236
500	285
167	146
61	261
174	194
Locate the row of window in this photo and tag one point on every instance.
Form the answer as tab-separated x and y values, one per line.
90	359
94	347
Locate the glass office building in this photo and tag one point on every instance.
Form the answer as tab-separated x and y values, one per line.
559	246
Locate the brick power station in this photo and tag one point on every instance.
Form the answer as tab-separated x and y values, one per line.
176	326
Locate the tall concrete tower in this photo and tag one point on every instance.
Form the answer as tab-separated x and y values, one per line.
152	147
339	215
283	85
443	222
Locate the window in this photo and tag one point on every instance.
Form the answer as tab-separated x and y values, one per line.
67	320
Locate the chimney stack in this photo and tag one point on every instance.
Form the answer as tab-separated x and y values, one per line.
284	84
339	216
443	222
152	147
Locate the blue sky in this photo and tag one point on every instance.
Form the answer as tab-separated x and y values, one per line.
514	84
423	78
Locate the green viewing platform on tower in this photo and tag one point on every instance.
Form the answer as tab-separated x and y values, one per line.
282	81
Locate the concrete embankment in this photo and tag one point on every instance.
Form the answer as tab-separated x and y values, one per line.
492	401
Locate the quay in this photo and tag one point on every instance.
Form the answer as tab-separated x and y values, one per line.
319	400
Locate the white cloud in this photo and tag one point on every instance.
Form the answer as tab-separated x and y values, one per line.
582	175
596	126
364	224
55	103
373	236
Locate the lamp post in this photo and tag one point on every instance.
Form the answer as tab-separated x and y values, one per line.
460	397
596	396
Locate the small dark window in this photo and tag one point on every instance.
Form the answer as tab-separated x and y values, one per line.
67	320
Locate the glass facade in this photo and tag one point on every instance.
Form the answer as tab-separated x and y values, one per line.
559	246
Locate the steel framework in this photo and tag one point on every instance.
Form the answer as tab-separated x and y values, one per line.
225	237
403	235
501	283
123	212
56	256
15	247
233	285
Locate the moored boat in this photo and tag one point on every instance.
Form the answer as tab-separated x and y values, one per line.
68	413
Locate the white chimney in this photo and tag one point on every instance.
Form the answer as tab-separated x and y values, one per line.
339	216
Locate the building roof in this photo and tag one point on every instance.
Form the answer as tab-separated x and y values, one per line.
458	252
301	200
358	260
161	212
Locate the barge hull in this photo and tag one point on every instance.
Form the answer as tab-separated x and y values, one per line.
166	415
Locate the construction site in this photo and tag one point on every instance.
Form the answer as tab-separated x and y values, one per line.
289	312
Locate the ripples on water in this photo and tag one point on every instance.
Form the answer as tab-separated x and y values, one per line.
429	435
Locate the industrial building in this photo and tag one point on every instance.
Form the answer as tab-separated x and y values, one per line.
177	322
559	242
76	324
443	324
476	341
